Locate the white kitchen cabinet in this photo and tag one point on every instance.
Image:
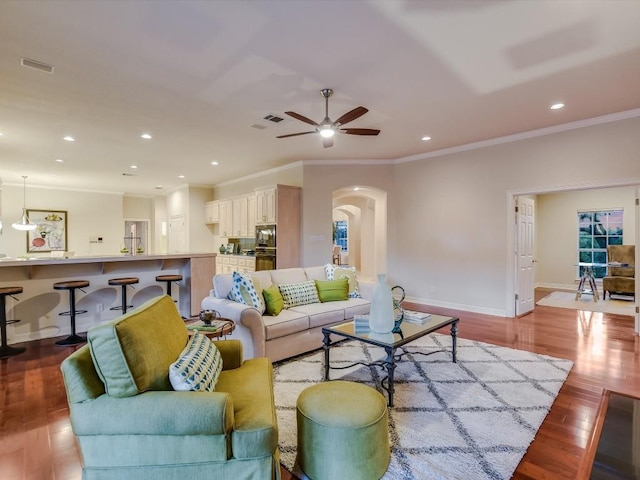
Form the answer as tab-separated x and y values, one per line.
226	218
240	217
212	212
266	206
251	215
235	263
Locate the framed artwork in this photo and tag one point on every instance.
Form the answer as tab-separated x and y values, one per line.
51	233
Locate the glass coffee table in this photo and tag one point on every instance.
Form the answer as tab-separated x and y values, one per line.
390	342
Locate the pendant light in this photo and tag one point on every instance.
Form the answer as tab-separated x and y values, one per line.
24	223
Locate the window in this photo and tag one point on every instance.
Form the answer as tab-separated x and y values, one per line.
596	230
340	234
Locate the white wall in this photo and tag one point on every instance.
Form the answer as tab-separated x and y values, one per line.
88	214
287	175
201	239
556	229
451	215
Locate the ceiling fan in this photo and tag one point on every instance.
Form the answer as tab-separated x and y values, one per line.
327	129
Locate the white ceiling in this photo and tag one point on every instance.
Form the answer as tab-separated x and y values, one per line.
198	74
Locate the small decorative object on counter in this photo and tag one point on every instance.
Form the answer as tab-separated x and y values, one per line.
222	248
208	316
381	318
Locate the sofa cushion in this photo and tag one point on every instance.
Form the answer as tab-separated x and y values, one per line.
245	291
286	323
295	294
321	314
198	366
132	354
332	290
288	275
273	300
222	285
316	273
335	272
354	306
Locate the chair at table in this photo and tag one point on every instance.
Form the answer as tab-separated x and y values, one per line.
620	279
336	254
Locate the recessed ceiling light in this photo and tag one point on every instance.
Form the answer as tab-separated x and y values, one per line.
425	139
59	160
69	138
214	163
557	106
1	134
158	187
146	136
180	176
133	166
356	189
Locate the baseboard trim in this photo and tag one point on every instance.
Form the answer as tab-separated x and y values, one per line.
426	302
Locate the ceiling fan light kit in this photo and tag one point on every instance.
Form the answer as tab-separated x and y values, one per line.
327	128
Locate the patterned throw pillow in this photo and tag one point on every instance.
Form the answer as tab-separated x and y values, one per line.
295	294
244	291
336	272
198	366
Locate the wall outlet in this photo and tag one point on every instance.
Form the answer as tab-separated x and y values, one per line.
99	308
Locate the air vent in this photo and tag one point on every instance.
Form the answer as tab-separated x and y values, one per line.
258	127
273	118
36	65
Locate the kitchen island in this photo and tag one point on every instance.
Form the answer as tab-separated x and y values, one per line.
39	306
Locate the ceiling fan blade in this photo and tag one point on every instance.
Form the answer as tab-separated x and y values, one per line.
327	142
359	131
294	134
352	115
302	118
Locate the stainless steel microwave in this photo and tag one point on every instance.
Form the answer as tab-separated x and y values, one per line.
266	236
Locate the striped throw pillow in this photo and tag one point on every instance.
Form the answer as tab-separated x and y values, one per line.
198	366
295	294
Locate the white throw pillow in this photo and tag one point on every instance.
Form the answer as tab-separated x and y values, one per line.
198	366
244	291
295	294
336	272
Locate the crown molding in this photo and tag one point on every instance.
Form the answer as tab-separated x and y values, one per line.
589	122
260	174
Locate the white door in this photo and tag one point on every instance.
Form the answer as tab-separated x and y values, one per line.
525	216
177	234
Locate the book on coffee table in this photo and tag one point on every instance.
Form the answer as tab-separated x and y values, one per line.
416	317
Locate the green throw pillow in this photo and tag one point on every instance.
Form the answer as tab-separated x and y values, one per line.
333	290
273	299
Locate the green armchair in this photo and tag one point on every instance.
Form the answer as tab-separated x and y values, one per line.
620	279
130	424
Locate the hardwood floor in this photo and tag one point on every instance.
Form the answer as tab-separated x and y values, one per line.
36	441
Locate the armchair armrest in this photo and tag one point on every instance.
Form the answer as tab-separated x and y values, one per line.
155	413
231	352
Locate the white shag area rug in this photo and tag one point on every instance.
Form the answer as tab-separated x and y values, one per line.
470	419
585	302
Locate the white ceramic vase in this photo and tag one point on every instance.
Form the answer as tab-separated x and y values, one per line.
381	318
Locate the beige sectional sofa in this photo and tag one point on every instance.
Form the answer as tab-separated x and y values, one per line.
293	331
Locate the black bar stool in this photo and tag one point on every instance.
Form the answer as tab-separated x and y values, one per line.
5	350
71	286
169	279
123	282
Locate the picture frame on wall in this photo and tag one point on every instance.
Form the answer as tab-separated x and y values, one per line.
51	232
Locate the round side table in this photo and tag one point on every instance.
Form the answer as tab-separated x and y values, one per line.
223	327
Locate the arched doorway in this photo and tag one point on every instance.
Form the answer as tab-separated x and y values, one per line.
365	210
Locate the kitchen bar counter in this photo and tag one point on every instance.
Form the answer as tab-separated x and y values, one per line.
39	305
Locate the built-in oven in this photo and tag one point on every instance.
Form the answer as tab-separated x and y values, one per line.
265	259
265	236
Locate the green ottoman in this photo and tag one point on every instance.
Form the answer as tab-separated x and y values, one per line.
343	431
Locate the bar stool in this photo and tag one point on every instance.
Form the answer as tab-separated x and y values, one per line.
123	282
5	350
169	279
71	286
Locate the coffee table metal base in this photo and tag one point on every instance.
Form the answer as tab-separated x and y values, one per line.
389	363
